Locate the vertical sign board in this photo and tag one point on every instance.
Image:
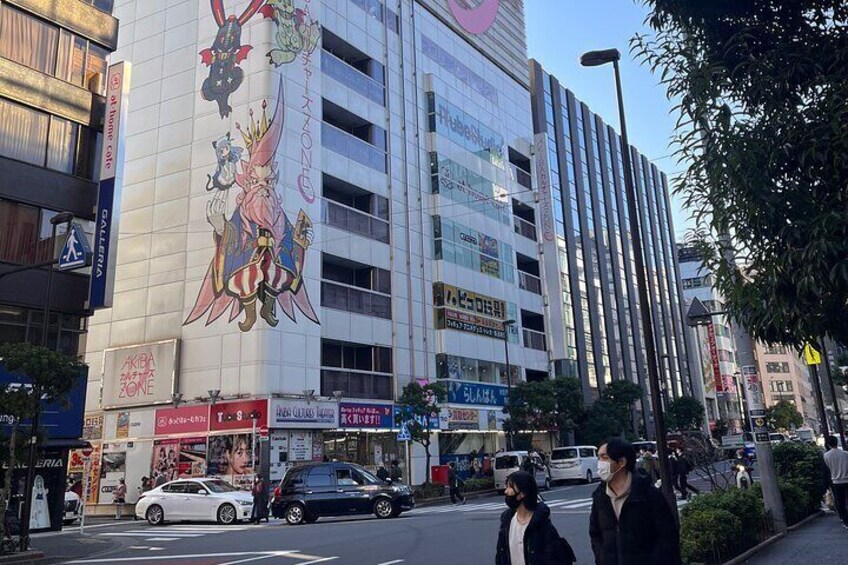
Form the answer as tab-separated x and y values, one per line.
109	191
714	360
756	404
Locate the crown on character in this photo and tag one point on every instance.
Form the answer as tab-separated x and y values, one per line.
256	130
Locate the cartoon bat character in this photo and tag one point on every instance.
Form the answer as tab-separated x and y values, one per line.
226	53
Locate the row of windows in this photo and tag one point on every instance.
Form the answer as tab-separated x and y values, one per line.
698	282
26	234
45	140
777	367
781	386
776	350
51	50
467	369
27	325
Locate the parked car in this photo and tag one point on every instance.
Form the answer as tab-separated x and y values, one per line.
508	462
202	500
777	439
579	462
317	490
73	508
637	445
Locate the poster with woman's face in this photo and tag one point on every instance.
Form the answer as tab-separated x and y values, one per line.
166	459
231	458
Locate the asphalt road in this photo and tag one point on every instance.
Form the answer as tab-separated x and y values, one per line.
440	534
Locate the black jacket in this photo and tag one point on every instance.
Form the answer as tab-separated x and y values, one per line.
542	544
645	532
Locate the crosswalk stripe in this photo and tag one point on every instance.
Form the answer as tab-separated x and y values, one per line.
137	535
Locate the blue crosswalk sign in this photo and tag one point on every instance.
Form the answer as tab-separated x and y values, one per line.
404	435
76	252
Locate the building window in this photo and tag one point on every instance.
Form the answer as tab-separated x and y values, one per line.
359	371
775	367
776	350
353	209
476	370
45	140
51	50
474	250
357	288
26	325
26	232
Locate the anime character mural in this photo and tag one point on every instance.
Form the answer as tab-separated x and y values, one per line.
225	55
228	156
296	31
259	254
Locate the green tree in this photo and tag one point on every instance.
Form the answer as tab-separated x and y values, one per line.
762	98
684	413
839	370
50	375
783	415
419	405
545	405
610	415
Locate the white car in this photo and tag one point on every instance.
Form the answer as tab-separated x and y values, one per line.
578	463
201	500
509	462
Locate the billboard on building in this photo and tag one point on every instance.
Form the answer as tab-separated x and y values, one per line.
140	375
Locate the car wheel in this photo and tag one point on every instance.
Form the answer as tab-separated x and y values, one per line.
227	514
589	477
155	515
296	514
384	508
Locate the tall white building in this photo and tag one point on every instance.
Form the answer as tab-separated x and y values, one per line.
323	201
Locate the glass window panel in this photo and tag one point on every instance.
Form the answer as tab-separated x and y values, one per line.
23	133
70	65
62	144
19	228
28	40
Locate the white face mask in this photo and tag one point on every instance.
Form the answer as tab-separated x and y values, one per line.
604	471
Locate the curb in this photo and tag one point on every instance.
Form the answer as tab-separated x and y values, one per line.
442	500
762	545
23	557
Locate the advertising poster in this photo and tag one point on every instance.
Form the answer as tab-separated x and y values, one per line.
123	426
92	427
300	446
192	457
166	460
94	475
112	469
230	457
48	492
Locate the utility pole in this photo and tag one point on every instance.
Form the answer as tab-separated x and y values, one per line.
840	426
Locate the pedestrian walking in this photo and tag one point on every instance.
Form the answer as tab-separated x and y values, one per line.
382	473
119	497
527	536
454	484
395	474
260	500
684	467
837	463
630	522
651	464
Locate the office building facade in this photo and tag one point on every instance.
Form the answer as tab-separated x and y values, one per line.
587	249
323	201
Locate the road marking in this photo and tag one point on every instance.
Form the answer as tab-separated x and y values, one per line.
175	535
322	560
160	539
391	562
191	556
258	558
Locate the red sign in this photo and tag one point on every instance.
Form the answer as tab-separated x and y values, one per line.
183	420
86	452
239	415
711	338
263	431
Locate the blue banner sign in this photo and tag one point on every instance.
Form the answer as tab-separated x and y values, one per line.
479	394
434	420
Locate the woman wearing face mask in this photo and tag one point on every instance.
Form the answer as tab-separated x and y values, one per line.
527	536
631	522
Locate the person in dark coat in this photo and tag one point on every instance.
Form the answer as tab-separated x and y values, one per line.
631	522
395	474
260	500
454	484
527	536
382	473
684	467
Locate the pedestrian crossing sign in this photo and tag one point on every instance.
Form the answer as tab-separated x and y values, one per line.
811	355
404	434
76	252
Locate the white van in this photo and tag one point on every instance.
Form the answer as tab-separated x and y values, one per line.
508	462
579	462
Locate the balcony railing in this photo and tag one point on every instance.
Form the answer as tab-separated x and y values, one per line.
357	384
534	339
344	74
530	283
525	228
350	146
354	221
356	300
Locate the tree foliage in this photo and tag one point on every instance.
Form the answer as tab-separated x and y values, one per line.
783	415
684	413
762	93
418	406
555	405
610	415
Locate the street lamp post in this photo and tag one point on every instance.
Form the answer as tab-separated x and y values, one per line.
508	324
594	59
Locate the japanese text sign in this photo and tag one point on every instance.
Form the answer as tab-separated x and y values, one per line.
186	419
365	416
140	375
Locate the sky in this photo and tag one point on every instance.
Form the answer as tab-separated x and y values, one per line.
559	31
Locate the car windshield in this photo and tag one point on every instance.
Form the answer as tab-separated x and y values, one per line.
506	462
219	486
559	454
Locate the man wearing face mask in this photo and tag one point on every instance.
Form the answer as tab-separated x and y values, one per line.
527	536
630	523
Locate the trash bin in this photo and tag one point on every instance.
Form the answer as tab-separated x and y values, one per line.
439	473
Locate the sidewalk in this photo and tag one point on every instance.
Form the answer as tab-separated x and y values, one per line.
822	540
